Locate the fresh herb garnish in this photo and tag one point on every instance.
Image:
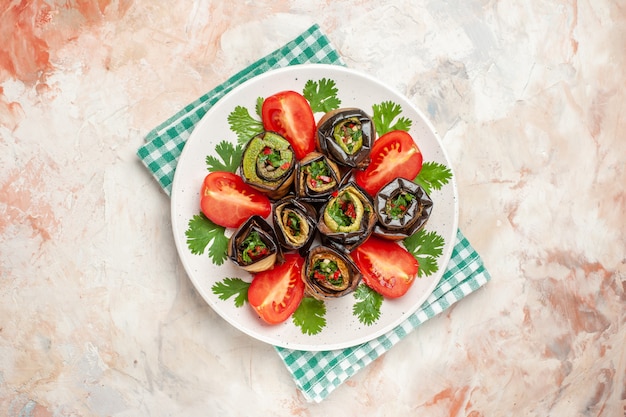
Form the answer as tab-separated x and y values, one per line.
367	309
310	315
426	247
433	176
244	125
384	115
322	95
230	154
259	106
202	231
230	287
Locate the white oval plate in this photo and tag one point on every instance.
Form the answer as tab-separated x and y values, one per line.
342	329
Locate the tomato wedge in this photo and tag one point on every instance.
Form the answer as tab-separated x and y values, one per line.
393	155
276	293
228	201
289	114
387	268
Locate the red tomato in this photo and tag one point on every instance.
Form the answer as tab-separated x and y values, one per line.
228	201
393	155
289	114
387	268
276	293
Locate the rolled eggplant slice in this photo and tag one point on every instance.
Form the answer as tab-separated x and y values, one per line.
268	164
254	246
329	273
402	208
346	135
294	223
348	218
317	177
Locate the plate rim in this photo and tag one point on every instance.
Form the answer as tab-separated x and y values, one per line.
444	258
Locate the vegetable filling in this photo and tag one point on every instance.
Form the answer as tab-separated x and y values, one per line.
345	212
293	224
253	248
349	135
326	270
396	207
272	163
319	176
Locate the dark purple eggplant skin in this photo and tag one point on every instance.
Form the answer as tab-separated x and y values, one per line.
316	290
326	143
307	211
267	235
417	214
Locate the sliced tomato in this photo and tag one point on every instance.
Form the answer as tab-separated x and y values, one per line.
276	293
228	201
387	267
289	114
395	154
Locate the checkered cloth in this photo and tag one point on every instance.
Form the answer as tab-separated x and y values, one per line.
316	374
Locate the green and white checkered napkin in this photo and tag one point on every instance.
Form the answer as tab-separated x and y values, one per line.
317	374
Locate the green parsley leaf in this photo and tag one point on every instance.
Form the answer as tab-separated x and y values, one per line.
230	287
426	247
322	95
244	125
201	232
384	115
310	316
433	176
231	157
367	310
259	107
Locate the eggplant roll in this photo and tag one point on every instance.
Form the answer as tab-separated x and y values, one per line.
294	223
402	208
329	273
317	177
348	218
268	164
254	246
346	135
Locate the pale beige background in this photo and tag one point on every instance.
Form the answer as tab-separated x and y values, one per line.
97	317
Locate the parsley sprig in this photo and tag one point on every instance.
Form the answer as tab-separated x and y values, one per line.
426	247
321	95
201	232
310	315
433	176
367	308
243	124
386	118
232	287
230	157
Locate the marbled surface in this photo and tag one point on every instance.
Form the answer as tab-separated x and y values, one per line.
97	316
